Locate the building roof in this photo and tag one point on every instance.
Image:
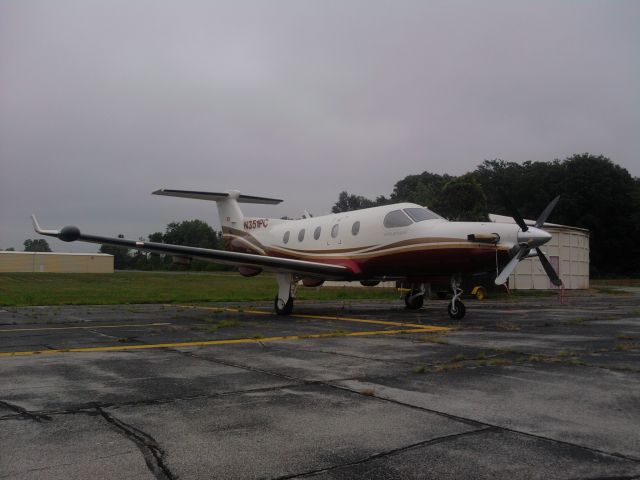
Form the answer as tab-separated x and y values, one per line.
506	219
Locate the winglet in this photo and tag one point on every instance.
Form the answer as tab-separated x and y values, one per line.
36	227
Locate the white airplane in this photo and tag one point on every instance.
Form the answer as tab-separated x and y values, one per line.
404	242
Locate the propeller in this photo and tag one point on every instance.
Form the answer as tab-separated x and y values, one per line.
529	238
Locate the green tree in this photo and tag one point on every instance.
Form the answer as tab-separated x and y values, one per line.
36	245
423	189
193	233
347	203
462	199
121	255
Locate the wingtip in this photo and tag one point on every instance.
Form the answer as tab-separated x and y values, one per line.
41	231
34	221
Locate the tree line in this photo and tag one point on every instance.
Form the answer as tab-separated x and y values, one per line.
596	194
194	233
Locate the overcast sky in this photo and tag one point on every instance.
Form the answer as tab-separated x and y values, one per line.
102	102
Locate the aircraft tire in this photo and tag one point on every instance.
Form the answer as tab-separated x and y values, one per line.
414	303
460	310
287	309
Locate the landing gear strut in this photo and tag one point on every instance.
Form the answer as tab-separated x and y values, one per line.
283	304
414	299
456	308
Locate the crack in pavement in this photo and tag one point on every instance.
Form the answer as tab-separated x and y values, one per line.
243	367
340	354
467	421
88	407
444	438
471	421
23	412
153	454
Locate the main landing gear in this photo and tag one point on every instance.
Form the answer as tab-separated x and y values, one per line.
286	292
456	308
414	299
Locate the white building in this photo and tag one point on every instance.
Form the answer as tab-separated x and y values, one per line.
568	252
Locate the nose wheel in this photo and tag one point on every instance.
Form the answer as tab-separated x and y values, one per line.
456	308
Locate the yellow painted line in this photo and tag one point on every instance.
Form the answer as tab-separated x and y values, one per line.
315	317
362	320
83	328
234	341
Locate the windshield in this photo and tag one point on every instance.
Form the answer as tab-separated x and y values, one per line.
420	214
396	219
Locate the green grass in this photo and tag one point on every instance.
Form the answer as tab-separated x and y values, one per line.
23	289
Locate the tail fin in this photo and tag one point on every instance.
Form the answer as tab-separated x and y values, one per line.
228	208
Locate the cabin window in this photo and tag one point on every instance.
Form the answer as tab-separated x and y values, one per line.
396	218
301	235
420	214
316	233
334	230
285	239
355	228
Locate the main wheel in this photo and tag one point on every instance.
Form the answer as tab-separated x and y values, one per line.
285	309
458	312
413	301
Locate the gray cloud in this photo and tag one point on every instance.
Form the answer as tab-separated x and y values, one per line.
103	102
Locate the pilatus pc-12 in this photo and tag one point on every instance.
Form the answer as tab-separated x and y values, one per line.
403	242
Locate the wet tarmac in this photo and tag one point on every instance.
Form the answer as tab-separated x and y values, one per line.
521	388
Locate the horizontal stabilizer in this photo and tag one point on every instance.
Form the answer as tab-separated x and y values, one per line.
215	197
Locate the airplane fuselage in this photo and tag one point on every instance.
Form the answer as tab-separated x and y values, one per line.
380	242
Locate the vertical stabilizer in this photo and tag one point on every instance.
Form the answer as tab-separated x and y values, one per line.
229	211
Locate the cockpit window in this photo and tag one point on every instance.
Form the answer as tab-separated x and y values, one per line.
396	218
420	214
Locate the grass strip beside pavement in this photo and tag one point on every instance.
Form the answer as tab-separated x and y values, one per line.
25	289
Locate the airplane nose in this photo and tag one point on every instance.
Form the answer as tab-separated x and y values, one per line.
534	237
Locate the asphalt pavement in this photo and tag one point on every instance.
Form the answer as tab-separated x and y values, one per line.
522	388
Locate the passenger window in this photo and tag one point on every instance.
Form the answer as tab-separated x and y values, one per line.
285	239
355	228
396	218
316	233
301	235
334	230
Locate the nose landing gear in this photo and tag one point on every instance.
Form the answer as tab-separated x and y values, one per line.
456	308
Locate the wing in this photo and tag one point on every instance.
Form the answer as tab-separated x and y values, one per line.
269	263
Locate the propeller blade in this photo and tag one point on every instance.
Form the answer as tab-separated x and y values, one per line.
513	211
547	211
508	270
551	273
